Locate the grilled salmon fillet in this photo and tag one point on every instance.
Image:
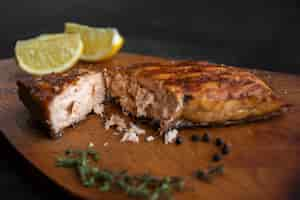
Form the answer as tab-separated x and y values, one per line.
60	100
189	93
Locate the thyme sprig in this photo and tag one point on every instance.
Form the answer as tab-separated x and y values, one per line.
209	174
139	186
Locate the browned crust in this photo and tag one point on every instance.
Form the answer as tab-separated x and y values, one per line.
36	92
48	86
188	77
193	81
38	109
185	79
179	124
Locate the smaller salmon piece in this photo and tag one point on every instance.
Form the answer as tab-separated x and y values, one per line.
60	100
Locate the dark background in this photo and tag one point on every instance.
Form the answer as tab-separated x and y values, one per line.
250	33
245	32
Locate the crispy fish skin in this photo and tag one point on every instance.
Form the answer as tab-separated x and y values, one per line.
56	100
191	93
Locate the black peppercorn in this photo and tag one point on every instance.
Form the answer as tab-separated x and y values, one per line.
206	137
219	142
195	138
225	149
187	98
216	157
179	140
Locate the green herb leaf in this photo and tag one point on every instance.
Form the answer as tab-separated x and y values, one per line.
145	186
180	185
105	187
83	171
90	182
104	175
155	195
142	192
122	185
95	155
67	162
73	152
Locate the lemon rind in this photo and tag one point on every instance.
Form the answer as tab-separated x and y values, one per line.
117	43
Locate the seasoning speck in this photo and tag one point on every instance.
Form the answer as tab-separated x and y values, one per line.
225	149
90	145
206	137
187	98
150	138
219	142
216	157
170	136
179	140
195	138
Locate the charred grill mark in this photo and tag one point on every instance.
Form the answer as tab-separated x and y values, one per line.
170	70
188	68
47	86
188	80
69	108
155	124
192	82
191	77
187	98
181	124
146	65
93	90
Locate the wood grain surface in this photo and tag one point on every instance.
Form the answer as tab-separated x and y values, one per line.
264	162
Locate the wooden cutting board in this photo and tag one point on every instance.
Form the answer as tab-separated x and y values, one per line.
264	163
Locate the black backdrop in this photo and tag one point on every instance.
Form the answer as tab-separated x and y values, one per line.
252	32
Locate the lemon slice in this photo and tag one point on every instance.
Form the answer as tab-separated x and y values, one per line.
99	43
49	53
